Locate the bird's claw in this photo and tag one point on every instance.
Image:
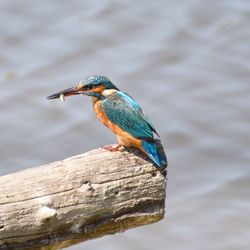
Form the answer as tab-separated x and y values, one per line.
116	148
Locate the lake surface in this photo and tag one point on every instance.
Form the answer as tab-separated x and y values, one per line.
186	63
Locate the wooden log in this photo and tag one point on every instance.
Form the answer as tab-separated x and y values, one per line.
80	198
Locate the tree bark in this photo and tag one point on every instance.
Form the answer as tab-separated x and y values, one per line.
80	198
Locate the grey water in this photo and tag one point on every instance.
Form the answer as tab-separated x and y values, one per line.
185	62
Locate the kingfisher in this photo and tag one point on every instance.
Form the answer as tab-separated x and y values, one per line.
120	113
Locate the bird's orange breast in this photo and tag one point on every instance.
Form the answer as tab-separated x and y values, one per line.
124	137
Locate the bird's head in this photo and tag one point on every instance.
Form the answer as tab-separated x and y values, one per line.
91	86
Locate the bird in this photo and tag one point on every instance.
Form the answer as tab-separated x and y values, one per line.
120	113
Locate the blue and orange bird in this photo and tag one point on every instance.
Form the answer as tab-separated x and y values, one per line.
121	113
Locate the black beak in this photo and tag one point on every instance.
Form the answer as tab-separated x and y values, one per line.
65	92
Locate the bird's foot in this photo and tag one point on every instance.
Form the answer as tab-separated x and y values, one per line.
115	148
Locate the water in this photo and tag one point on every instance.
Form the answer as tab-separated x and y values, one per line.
186	63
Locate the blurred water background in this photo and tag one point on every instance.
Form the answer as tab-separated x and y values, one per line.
185	62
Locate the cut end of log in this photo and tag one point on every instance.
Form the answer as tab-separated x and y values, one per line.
79	198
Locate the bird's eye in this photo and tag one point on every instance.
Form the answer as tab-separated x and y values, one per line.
88	87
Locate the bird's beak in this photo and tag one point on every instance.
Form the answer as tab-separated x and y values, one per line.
66	92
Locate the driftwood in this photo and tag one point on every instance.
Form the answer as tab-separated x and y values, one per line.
80	198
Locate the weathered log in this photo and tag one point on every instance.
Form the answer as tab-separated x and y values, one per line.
80	198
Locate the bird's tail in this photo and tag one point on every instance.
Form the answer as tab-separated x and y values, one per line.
155	152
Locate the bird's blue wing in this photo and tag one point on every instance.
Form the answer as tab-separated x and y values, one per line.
125	112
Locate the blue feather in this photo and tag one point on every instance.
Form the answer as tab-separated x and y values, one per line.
125	112
135	105
158	157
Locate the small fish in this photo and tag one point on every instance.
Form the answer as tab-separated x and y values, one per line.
62	97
